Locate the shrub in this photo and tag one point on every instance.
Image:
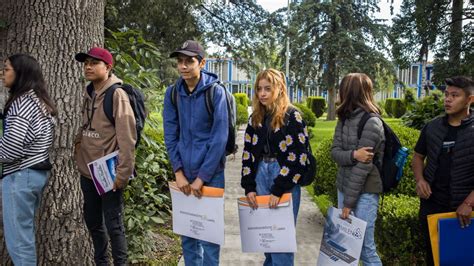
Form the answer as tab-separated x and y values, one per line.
325	181
308	115
409	97
399	240
242	114
241	98
424	111
147	202
388	106
317	105
398	108
324	203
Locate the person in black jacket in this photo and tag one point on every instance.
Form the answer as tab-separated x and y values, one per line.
275	155
446	182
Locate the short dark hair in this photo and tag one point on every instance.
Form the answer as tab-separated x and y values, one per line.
463	82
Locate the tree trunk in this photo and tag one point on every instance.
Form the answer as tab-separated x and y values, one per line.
456	35
332	73
53	31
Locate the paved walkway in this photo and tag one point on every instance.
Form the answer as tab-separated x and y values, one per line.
309	228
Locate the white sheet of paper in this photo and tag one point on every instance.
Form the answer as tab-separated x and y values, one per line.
199	218
265	229
342	240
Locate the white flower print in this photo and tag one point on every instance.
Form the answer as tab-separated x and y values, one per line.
291	157
282	146
298	117
248	138
246	155
289	140
303	158
296	178
302	138
246	171
254	140
284	171
305	131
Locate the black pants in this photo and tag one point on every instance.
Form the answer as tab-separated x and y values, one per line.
108	208
428	207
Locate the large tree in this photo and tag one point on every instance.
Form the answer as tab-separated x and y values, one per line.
53	31
436	27
332	38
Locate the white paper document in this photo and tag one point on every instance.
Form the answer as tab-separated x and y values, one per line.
265	229
201	219
103	172
342	239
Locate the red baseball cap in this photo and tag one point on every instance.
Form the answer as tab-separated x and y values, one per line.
97	53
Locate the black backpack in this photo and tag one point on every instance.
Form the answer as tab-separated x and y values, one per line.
231	147
309	175
137	101
389	169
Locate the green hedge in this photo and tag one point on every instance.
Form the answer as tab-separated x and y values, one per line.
325	182
398	108
409	97
308	115
397	234
424	110
241	98
388	106
317	105
242	114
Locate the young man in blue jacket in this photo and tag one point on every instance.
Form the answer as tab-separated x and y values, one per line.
196	141
443	160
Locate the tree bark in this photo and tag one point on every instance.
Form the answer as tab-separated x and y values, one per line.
455	42
332	73
53	31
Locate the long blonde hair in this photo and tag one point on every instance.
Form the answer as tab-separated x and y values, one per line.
356	90
280	100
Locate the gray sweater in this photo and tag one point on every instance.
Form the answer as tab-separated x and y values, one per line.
354	178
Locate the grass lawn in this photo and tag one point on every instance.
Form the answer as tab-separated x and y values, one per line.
325	129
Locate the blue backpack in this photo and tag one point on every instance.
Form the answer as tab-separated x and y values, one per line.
394	158
231	146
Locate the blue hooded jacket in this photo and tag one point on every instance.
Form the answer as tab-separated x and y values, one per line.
196	144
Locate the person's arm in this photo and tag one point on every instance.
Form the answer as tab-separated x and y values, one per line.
339	155
249	162
249	165
11	144
126	134
423	188
171	131
372	135
464	210
292	155
218	139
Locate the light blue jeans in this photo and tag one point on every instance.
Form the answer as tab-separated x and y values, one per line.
266	173
22	192
198	252
366	209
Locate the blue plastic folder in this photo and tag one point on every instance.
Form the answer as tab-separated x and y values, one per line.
453	235
455	243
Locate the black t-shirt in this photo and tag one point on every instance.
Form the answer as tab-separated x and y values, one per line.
440	187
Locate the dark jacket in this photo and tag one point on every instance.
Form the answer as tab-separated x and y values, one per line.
288	144
462	171
196	143
354	178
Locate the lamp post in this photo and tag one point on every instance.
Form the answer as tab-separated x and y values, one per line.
287	64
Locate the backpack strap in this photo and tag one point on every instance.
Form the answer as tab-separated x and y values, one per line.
109	102
363	121
210	98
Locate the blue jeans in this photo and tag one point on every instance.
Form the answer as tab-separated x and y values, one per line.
366	209
266	173
22	192
199	252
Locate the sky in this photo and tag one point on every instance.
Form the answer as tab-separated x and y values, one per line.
272	5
